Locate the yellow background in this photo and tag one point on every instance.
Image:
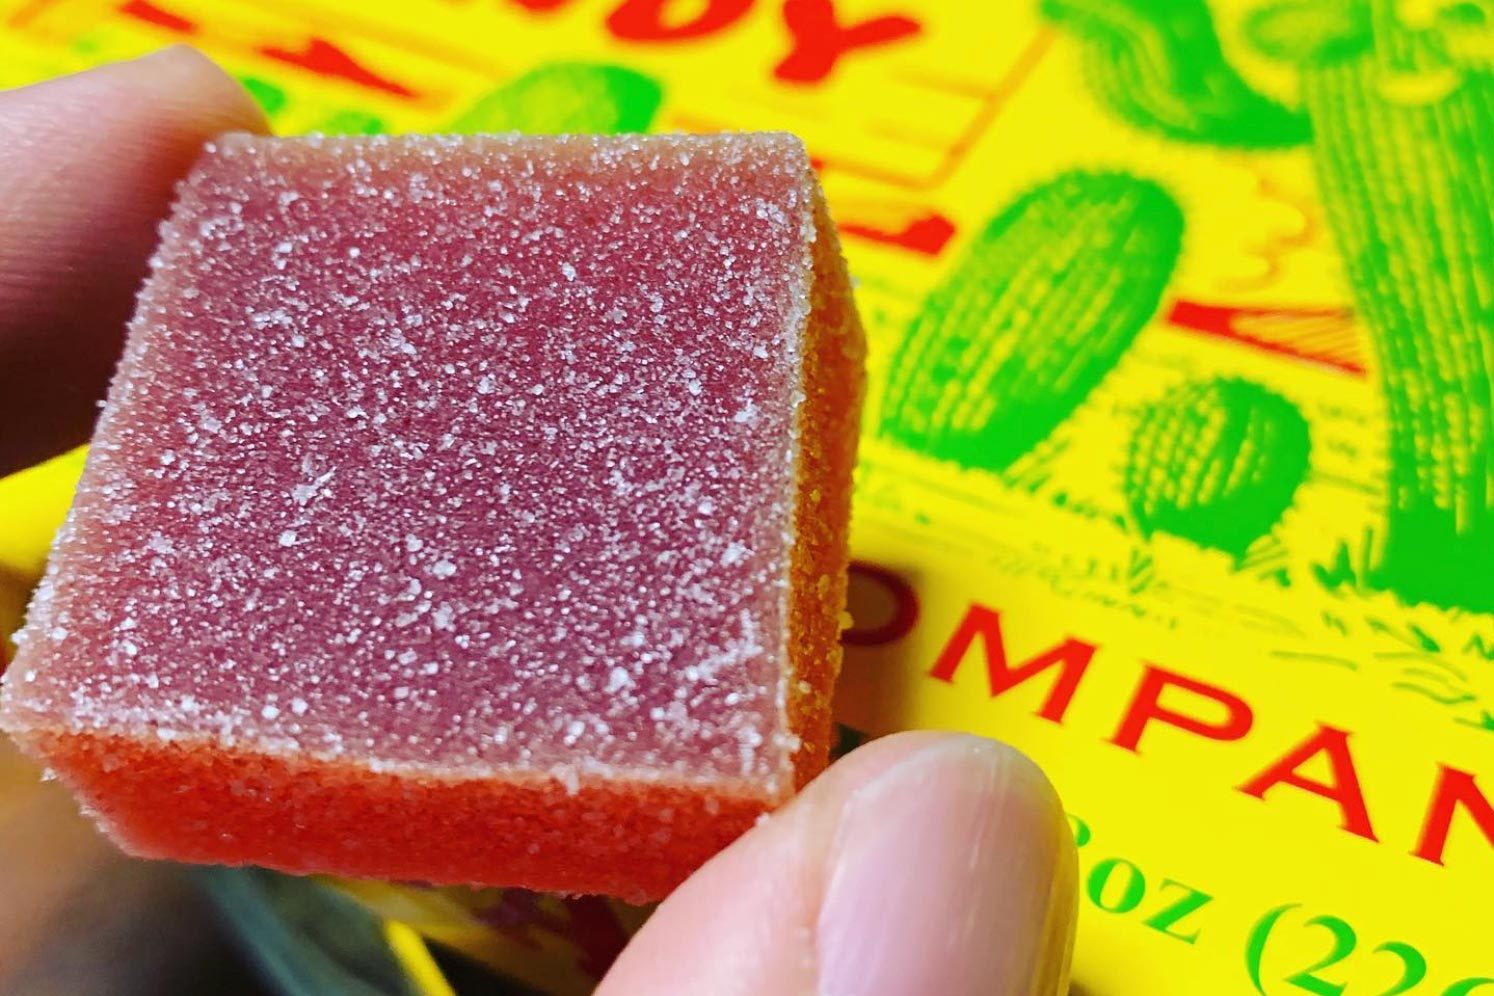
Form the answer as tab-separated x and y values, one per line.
983	102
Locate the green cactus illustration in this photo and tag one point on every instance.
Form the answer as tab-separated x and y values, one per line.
350	122
1403	151
1160	67
1216	462
1041	307
566	97
1301	31
271	98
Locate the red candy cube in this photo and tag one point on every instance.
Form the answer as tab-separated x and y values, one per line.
464	510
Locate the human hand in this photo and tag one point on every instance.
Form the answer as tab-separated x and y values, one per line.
923	864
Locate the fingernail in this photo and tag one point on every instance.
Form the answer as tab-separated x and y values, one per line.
952	872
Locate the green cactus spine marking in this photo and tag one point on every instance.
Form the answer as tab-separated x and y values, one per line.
1041	307
1216	462
1404	152
566	97
1159	66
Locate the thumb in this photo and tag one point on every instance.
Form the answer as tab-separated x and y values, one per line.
87	166
921	863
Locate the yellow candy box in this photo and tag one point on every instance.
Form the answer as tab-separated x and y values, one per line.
1178	463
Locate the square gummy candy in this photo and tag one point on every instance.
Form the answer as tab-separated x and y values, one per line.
464	510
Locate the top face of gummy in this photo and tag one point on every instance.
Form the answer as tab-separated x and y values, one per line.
459	455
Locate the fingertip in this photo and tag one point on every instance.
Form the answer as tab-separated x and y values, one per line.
176	94
947	874
219	102
88	166
922	862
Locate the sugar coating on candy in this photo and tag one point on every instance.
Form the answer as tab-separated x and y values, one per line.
459	460
480	488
